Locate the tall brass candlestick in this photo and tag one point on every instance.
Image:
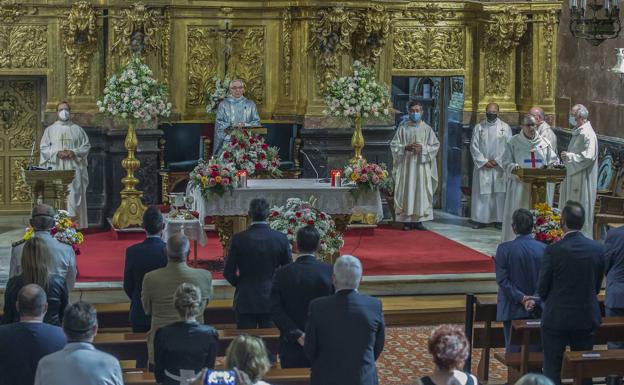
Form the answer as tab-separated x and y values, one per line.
357	140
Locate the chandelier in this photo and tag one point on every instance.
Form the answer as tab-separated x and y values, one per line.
595	20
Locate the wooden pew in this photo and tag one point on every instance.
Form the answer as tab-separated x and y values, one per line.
589	364
298	376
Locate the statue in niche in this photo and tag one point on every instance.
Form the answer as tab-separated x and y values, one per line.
137	43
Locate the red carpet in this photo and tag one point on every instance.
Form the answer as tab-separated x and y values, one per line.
388	252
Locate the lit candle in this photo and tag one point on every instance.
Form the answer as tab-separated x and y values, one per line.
532	158
242	179
338	178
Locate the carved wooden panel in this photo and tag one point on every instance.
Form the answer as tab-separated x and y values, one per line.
247	62
202	63
429	48
23	46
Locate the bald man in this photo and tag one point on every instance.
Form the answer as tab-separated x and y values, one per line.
544	130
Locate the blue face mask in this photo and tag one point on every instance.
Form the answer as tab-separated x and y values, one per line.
414	116
572	121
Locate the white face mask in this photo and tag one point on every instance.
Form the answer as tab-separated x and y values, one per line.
63	115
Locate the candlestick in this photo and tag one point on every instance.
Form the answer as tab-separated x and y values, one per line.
338	180
242	179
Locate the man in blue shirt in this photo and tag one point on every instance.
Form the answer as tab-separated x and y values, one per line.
22	344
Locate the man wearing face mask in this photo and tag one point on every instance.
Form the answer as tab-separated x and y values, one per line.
581	163
489	182
65	146
235	111
414	150
518	155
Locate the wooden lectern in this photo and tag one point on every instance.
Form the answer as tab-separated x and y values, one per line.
49	186
537	178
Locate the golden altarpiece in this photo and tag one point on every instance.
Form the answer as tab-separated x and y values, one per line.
284	51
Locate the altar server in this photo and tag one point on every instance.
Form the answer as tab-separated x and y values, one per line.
235	110
524	150
414	150
65	146
544	130
487	146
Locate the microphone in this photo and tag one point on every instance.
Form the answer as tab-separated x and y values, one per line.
311	164
32	153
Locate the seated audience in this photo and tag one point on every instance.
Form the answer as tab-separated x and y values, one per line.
294	287
345	332
534	379
22	344
614	260
517	270
253	257
36	269
160	284
79	363
449	349
183	348
141	259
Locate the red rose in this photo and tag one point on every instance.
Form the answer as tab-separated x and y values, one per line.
293	220
241	145
275	214
226	154
245	157
54	231
245	133
195	214
214	174
264	146
540	221
298	214
251	141
290	231
263	156
234	141
311	222
322	215
259	166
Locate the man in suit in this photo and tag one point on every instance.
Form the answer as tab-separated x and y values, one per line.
23	343
159	286
62	255
345	331
517	270
141	259
79	362
569	281
614	260
255	253
294	287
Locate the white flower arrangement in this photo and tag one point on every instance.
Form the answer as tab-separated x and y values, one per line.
357	95
221	88
135	95
299	213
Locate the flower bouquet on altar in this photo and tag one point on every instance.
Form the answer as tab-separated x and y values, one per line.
298	213
250	153
365	176
65	230
221	88
215	177
547	228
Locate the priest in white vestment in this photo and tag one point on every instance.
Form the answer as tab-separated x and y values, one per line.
544	130
518	155
489	182
234	111
65	146
581	163
414	151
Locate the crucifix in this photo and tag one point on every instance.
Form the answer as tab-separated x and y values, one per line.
228	34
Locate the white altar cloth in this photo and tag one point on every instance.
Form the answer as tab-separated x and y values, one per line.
332	200
192	228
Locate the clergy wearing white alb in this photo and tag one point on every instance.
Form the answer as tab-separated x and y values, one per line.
545	131
518	155
65	146
581	164
414	150
489	182
235	110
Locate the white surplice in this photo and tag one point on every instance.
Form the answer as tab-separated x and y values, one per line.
581	173
547	133
518	153
416	175
488	184
69	136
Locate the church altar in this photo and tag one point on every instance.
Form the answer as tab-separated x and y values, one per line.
230	210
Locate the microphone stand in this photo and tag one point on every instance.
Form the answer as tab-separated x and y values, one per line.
311	164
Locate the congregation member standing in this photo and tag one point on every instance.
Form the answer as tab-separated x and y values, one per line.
159	286
345	333
252	259
22	344
517	271
294	287
545	131
614	261
489	182
141	259
569	281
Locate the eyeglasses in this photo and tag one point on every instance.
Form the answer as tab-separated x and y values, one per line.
237	88
43	215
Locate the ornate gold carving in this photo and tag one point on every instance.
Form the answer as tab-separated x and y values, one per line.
370	36
247	62
10	11
23	46
430	14
550	21
429	48
330	38
526	63
501	36
166	40
286	49
1	178
81	36
20	192
19	99
202	64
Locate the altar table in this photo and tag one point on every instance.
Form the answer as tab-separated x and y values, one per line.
192	228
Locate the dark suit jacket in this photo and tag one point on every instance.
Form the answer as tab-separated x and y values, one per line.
256	253
614	261
141	259
56	292
22	345
344	337
569	281
517	270
294	287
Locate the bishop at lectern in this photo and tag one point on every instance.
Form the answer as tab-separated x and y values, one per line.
234	111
